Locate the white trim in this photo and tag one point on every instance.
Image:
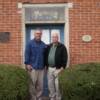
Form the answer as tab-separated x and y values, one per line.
23	35
66	34
47	5
66	28
46	22
19	5
69	5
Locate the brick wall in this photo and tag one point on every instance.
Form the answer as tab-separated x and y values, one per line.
84	18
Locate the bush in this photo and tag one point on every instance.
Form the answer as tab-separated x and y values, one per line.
81	82
13	83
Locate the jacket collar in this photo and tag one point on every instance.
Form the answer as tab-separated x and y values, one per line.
59	44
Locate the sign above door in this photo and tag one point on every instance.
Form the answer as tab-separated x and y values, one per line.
44	14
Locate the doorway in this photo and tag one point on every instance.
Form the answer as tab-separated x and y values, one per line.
46	37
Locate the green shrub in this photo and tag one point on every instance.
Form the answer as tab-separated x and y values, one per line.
13	83
81	82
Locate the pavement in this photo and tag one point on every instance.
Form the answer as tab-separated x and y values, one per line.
45	98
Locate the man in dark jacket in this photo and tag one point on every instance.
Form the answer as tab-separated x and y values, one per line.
56	60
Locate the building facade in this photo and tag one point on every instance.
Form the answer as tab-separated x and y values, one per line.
77	20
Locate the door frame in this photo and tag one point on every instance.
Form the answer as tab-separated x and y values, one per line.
66	26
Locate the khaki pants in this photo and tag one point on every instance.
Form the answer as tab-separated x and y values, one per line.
36	84
53	84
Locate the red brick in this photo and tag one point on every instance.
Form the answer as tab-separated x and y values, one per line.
84	18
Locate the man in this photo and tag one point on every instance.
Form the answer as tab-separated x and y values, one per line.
56	59
34	61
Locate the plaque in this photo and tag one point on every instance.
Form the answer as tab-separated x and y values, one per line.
4	37
86	38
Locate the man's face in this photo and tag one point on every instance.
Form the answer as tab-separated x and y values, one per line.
55	38
38	35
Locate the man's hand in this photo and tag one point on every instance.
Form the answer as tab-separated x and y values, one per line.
29	67
61	69
58	71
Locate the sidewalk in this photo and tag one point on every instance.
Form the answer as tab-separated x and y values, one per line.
45	98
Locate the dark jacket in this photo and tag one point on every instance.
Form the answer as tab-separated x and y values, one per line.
61	56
